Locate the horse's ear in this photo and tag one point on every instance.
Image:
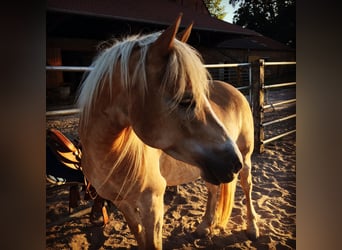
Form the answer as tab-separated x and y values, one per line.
164	43
185	34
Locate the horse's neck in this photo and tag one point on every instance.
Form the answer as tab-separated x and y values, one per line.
105	134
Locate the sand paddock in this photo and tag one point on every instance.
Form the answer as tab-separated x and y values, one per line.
274	195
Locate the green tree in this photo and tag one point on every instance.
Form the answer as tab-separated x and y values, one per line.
272	18
215	8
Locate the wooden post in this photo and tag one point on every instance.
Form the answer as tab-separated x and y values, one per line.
54	58
258	81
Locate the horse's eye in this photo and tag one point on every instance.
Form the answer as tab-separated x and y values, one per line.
187	103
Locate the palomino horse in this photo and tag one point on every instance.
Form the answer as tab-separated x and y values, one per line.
148	110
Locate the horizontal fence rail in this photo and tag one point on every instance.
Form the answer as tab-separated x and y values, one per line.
279	103
278	120
278	136
228	65
62	112
85	68
69	68
279	85
278	63
250	75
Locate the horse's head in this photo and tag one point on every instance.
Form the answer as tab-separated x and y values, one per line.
174	113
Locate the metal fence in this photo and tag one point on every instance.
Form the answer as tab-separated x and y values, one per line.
249	78
260	88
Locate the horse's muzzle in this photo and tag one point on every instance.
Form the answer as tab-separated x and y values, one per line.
220	167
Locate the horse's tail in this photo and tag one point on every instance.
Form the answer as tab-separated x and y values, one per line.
225	203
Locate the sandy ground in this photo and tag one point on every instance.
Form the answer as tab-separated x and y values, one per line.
274	195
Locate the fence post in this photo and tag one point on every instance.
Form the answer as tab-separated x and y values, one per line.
258	81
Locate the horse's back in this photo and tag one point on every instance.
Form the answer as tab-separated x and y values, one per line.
225	98
233	109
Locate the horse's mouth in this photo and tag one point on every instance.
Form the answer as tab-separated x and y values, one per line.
216	167
216	172
211	177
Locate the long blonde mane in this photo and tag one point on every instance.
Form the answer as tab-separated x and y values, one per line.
184	70
184	67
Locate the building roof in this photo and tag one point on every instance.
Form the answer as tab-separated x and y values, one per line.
255	43
162	12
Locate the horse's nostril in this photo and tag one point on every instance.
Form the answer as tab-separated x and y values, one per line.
237	165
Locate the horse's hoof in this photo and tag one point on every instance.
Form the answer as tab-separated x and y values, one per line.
202	231
252	230
253	234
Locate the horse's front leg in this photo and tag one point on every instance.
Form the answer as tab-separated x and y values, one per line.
246	183
205	227
144	215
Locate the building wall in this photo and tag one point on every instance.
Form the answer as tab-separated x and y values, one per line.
216	55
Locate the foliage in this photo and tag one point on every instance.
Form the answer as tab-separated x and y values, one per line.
215	8
272	18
